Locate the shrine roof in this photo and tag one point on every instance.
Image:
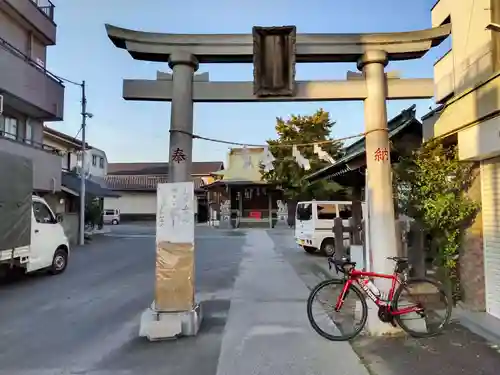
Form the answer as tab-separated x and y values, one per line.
356	150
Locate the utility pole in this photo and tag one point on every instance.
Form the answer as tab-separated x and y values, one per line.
82	172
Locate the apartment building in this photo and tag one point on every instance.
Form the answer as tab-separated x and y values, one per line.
96	161
467	92
31	94
67	201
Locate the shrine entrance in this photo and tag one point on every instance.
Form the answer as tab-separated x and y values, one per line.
274	52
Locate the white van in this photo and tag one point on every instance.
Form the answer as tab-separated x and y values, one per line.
314	224
48	248
111	216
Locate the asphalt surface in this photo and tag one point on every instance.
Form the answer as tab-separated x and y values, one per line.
86	320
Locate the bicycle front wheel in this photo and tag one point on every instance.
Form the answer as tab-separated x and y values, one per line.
430	298
321	308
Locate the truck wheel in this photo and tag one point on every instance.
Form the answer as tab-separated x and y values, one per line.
328	247
114	222
309	249
59	262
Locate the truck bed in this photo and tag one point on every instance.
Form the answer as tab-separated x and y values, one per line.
20	252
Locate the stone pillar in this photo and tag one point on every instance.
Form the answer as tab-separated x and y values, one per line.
379	177
174	311
183	65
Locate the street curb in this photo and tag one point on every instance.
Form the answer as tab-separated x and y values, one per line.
475	326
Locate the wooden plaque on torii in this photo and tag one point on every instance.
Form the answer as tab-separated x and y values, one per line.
274	61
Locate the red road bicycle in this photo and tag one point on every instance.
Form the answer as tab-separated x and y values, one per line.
392	307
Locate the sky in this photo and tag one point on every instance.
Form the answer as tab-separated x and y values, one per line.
138	131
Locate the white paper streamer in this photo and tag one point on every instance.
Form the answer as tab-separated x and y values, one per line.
301	161
323	155
268	160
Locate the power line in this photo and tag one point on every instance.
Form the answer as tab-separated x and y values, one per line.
68	80
328	141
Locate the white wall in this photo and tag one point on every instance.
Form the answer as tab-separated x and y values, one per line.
137	202
94	170
133	202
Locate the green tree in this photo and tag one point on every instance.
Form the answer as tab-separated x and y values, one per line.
432	188
287	173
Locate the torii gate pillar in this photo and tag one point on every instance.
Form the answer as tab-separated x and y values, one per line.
382	232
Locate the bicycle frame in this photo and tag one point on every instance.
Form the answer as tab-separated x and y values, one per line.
355	276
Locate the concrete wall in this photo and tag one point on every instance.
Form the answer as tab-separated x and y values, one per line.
480	141
468	114
471	59
35	18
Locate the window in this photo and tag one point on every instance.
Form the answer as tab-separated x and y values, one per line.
10	128
345	211
304	211
94	160
109	212
66	161
43	214
327	211
101	163
29	132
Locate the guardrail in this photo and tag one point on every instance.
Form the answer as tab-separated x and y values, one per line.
46	7
30	143
16	52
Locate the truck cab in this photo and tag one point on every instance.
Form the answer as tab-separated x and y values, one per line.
314	222
48	246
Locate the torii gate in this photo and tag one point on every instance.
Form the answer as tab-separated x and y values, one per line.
274	51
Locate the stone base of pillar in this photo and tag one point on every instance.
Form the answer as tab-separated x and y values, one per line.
375	327
157	326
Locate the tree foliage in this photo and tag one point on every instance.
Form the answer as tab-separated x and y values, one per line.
287	173
432	188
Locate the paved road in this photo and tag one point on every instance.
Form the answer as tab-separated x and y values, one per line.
85	321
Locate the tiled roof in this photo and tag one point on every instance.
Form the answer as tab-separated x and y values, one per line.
154	169
141	182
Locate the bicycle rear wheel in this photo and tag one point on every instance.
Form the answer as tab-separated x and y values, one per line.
354	303
429	295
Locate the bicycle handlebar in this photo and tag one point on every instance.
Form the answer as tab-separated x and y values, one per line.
338	264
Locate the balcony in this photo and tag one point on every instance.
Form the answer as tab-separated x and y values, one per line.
38	14
440	13
46	7
46	163
29	87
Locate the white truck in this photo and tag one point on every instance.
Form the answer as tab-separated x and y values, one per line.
31	236
314	224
